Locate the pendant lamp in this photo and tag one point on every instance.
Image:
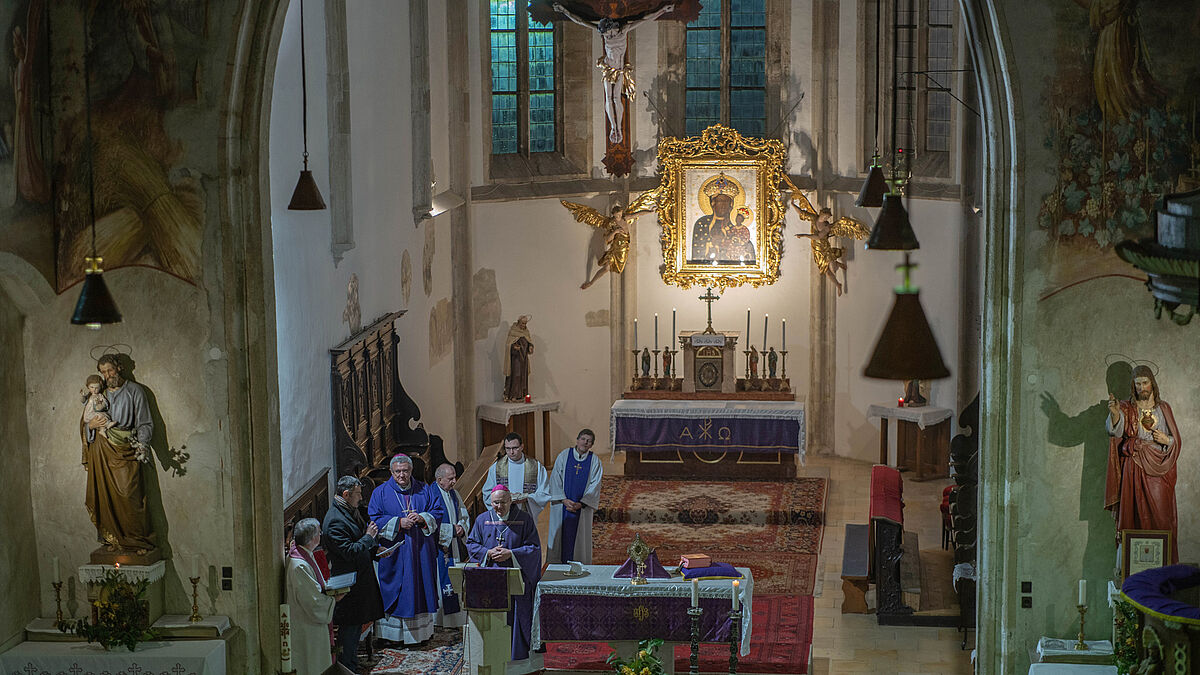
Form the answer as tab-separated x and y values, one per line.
893	231
875	186
306	196
95	306
906	348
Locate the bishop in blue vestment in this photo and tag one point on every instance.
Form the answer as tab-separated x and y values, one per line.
508	537
408	512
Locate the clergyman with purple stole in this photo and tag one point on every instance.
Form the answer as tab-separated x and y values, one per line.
408	512
507	537
574	498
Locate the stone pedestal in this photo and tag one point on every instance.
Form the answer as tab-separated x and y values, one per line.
93	576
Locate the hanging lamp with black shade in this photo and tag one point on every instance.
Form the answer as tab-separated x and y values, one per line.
95	306
875	186
306	196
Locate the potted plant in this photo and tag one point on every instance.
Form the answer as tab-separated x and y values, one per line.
120	614
645	662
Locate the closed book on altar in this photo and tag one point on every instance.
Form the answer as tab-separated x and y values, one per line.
341	583
693	560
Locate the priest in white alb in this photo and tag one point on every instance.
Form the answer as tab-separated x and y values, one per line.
452	545
574	497
528	482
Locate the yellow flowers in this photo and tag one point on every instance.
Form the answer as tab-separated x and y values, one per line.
626	670
642	654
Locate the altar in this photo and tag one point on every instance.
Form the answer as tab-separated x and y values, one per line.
185	657
710	439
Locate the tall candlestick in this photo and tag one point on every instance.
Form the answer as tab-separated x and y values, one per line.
784	335
695	593
766	317
736	584
54	564
747	328
656	330
635	333
1082	592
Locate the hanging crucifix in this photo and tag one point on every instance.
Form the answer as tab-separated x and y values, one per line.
615	21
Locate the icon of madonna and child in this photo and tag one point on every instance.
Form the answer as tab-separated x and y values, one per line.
724	235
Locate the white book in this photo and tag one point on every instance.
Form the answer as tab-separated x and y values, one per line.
341	583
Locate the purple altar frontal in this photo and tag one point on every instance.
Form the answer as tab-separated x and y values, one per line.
649	426
596	607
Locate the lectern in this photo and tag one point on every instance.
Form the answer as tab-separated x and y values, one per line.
486	594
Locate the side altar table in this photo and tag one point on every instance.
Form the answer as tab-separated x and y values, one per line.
922	439
709	439
596	607
185	657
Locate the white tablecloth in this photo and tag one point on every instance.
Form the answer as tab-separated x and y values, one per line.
181	657
500	411
786	410
599	581
1070	669
924	415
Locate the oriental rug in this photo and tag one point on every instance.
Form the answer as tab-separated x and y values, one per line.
772	527
782	643
441	655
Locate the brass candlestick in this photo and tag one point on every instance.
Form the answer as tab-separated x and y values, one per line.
57	600
747	353
783	366
634	385
694	659
1081	645
195	598
655	352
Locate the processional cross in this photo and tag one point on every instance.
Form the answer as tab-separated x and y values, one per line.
709	298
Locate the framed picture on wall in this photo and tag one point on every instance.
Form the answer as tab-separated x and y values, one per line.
720	208
1143	550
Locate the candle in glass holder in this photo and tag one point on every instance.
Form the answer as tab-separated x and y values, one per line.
736	584
695	593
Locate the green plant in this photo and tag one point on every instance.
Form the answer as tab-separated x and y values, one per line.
645	662
122	614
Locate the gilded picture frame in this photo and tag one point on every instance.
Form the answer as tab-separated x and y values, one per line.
720	209
1142	550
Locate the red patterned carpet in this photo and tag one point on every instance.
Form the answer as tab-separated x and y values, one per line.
781	643
772	527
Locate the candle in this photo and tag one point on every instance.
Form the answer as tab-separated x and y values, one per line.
656	330
672	340
54	564
736	583
784	335
765	318
285	643
900	402
195	567
747	328
695	592
635	333
1083	592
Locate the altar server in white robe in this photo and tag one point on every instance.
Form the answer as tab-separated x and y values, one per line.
311	608
527	479
452	542
574	497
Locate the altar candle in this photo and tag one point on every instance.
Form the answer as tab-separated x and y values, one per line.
635	333
695	592
784	335
747	328
195	567
672	340
766	317
656	330
54	564
736	584
1083	591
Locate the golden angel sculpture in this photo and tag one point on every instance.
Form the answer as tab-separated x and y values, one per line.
616	236
829	257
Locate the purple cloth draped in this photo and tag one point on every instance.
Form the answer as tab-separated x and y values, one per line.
715	434
654	569
575	482
486	588
519	535
594	617
1152	589
408	579
717	570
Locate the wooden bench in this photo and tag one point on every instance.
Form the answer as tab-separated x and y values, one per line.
856	569
871	552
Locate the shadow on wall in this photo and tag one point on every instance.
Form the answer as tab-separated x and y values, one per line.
1086	428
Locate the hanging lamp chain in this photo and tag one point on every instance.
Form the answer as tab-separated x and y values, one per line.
303	86
95	260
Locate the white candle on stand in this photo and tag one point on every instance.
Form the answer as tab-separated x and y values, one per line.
635	333
671	341
656	330
695	593
195	567
784	335
1083	591
54	564
747	328
765	318
736	584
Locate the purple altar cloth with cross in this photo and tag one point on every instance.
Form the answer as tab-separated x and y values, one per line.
648	426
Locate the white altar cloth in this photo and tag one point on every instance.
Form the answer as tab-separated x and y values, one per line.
924	415
780	410
176	657
599	581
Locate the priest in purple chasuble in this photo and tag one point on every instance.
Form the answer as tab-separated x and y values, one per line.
574	497
507	537
408	512
525	476
452	543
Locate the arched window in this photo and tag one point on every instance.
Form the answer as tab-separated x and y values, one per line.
726	68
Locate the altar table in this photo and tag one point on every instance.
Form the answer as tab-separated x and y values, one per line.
182	657
598	608
751	439
922	441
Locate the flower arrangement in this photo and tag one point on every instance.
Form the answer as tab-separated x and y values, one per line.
646	662
121	614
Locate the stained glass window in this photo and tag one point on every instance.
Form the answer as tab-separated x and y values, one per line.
524	87
726	67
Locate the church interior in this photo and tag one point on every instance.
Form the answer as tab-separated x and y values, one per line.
611	214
